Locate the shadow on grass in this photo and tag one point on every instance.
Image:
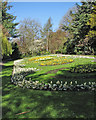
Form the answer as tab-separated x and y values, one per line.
6	77
64	75
44	104
48	104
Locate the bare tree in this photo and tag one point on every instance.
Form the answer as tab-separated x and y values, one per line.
30	30
67	19
46	31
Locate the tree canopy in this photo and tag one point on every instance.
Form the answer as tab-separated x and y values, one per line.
7	19
30	30
79	28
8	28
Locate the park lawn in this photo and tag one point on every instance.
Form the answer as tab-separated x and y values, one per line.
60	72
44	104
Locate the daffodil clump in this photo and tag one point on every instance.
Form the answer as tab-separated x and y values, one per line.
58	86
41	58
19	72
50	60
19	68
56	61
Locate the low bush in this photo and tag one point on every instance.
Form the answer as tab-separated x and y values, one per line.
58	51
84	68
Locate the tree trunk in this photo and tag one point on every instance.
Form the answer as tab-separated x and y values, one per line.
47	45
47	42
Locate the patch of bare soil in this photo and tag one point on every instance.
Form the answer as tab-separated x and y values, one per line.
55	71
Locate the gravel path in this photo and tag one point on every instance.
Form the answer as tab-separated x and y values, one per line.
79	56
75	56
1	63
17	61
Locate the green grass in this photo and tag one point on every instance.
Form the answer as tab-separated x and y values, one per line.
64	75
46	104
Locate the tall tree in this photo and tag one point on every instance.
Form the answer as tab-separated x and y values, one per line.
46	31
79	27
8	28
92	32
56	41
5	46
16	53
30	30
7	19
67	19
66	25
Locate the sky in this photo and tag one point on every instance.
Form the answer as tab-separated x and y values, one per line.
41	11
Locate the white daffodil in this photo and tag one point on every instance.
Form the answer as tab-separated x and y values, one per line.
89	83
75	82
65	83
51	82
58	82
71	83
85	83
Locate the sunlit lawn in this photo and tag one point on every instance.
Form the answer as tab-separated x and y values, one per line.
47	104
44	75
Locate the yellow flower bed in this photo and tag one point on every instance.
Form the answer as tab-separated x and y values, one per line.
50	60
56	61
40	58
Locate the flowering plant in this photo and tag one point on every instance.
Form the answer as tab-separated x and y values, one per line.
19	74
84	68
58	86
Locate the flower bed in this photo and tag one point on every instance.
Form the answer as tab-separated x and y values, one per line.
41	58
84	68
58	86
56	61
50	60
19	74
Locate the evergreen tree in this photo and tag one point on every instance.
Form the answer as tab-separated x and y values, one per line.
7	19
79	28
8	29
5	46
16	53
92	32
66	25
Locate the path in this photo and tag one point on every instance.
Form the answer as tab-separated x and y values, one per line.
80	56
1	63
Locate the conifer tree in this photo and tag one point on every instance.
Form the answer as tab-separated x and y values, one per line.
7	19
92	32
5	46
79	28
8	28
